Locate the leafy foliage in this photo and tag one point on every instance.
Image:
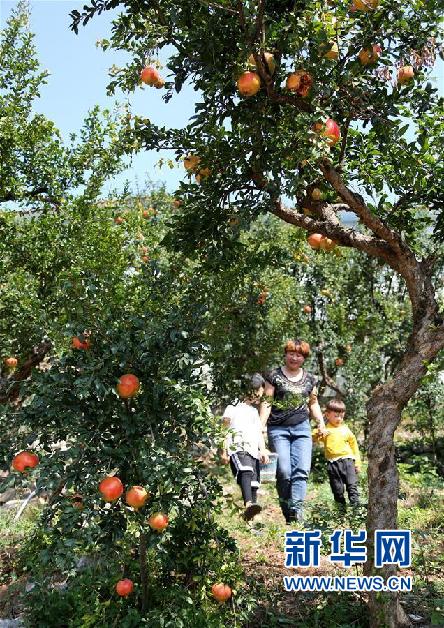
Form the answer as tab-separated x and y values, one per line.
392	133
38	171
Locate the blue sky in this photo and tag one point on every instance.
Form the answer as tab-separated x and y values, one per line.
79	75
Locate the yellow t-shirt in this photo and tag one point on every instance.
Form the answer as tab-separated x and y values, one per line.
339	442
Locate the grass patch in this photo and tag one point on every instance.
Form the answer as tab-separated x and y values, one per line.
261	549
13	532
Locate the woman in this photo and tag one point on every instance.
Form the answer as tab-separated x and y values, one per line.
295	398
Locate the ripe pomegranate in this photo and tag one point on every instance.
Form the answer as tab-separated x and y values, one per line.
76	343
221	592
11	362
319	241
339	361
202	174
137	497
330	130
314	240
369	56
405	74
124	587
149	75
128	386
307	309
191	162
365	5
326	244
299	82
248	84
158	521
24	460
111	488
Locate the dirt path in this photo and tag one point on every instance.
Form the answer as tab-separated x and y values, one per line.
263	558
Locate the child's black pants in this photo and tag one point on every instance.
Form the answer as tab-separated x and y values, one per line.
342	473
245	469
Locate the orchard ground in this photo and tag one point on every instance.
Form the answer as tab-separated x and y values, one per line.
261	546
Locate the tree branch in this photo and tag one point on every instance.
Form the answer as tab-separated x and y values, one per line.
291	99
371	221
31	193
346	127
37	354
240	11
331	227
401	201
262	67
259	31
402	258
326	377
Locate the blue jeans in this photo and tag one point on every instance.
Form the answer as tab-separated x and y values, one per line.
293	445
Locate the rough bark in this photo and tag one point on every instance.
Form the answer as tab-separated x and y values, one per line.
384	413
384	608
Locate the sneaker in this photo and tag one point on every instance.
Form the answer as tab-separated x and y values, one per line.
251	510
294	516
290	517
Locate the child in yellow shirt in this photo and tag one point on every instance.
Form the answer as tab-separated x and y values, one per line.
342	453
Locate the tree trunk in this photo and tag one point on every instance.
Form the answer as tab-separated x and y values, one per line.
384	608
384	414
